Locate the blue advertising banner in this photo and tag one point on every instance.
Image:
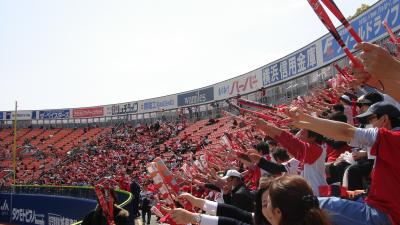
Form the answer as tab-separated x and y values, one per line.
1	115
196	97
25	209
8	115
54	114
5	208
368	26
290	66
158	104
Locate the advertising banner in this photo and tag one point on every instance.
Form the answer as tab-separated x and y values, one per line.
196	97
121	109
88	112
5	208
303	61
240	85
1	115
26	209
52	114
158	104
21	115
368	26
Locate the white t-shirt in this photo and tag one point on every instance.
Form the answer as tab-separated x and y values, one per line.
292	166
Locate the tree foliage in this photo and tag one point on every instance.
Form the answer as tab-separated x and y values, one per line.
359	10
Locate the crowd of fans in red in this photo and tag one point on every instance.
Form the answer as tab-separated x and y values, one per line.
342	140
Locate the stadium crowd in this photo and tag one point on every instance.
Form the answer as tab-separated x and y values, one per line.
326	158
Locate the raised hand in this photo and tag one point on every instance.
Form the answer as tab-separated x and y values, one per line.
377	61
196	202
182	216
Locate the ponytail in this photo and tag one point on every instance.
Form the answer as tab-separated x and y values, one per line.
316	216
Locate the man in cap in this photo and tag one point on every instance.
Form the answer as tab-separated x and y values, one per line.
236	193
346	102
382	139
359	172
365	101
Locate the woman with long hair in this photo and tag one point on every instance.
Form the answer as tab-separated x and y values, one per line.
290	201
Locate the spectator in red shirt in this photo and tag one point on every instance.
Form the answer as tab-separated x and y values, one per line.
382	206
308	148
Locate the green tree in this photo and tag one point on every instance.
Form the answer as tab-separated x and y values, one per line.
360	10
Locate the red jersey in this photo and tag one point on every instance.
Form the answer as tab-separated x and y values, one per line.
333	154
385	185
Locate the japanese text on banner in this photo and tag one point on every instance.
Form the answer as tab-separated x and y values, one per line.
368	26
293	65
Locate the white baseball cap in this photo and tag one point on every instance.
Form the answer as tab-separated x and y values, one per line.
345	97
232	173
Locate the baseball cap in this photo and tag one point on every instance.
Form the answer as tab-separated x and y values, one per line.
381	108
370	98
232	173
345	97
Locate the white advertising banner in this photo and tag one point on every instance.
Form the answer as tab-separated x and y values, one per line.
21	115
121	109
244	84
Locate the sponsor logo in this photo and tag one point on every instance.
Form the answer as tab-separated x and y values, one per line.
126	108
55	219
88	112
157	105
4	209
54	114
27	216
196	97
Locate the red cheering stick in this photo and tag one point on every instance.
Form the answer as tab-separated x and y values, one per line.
167	175
238	118
342	72
156	212
227	140
330	4
323	16
255	104
255	113
259	106
159	182
169	179
108	209
392	36
106	184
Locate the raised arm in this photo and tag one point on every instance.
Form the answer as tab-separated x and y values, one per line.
295	146
380	70
335	130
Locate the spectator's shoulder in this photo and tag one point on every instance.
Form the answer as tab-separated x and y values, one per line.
242	190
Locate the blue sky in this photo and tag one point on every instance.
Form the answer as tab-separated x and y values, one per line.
76	53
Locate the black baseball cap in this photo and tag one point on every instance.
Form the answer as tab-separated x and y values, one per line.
370	98
381	108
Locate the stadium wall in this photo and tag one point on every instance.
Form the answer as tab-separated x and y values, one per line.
313	57
27	209
50	205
